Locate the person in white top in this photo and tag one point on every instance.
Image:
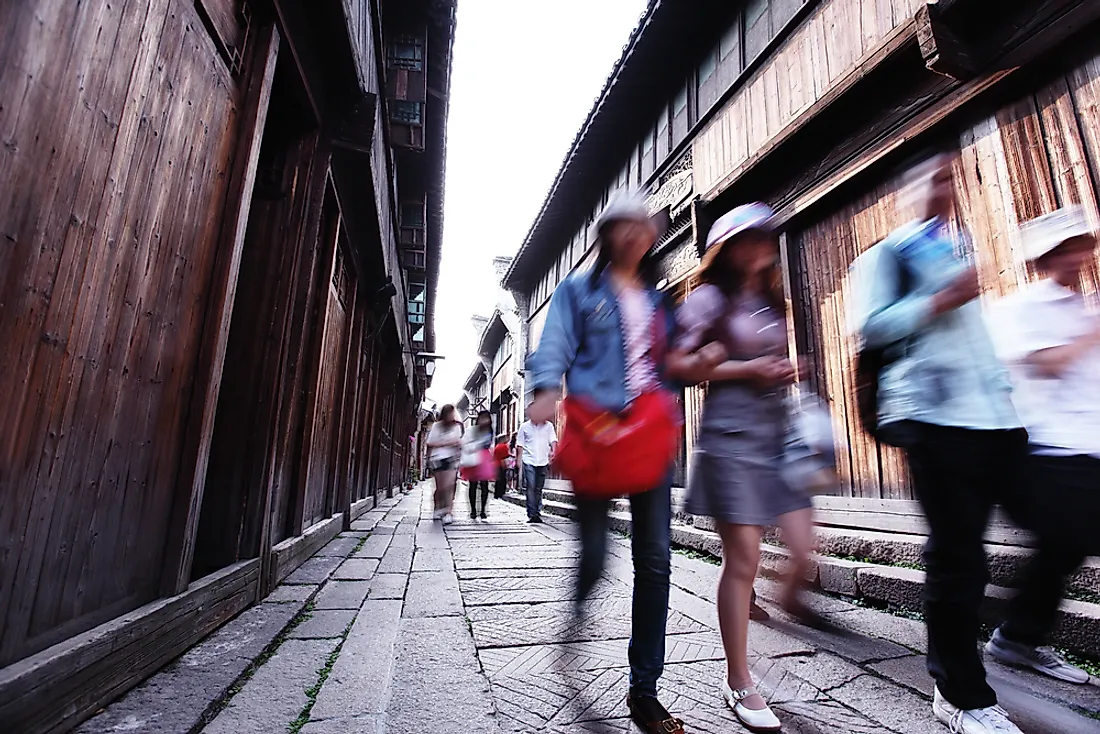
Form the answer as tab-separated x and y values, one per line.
445	445
1050	340
534	447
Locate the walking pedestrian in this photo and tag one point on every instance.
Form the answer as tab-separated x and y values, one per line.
444	445
477	445
502	452
945	400
732	333
599	336
534	446
1050	340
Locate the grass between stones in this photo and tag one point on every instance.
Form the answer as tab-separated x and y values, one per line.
315	689
218	706
359	545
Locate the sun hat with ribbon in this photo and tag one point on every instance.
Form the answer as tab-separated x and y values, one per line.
1043	234
747	217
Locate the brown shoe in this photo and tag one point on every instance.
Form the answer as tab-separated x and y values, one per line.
651	717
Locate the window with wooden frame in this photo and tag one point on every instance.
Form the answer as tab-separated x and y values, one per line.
645	158
664	139
417	303
228	22
707	90
758	28
730	58
407	53
681	120
407	90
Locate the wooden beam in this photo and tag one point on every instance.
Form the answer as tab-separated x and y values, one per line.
941	49
180	549
900	39
938	111
55	689
295	23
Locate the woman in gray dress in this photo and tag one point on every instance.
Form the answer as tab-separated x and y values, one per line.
734	475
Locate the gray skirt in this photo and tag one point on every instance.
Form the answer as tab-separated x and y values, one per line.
734	475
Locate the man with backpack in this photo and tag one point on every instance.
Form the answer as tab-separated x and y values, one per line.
944	398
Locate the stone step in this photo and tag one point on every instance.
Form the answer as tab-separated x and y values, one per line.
1077	629
1006	562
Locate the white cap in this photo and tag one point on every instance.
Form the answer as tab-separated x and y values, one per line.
1043	234
627	206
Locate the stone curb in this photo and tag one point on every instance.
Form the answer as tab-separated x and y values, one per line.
1077	629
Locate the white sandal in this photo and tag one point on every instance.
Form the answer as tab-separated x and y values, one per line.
752	719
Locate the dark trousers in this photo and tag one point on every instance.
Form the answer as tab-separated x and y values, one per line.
651	516
958	476
1061	506
474	487
534	479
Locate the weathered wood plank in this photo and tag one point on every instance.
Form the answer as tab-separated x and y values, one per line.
181	539
91	668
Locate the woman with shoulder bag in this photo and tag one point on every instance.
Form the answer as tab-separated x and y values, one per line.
477	462
605	334
444	446
737	467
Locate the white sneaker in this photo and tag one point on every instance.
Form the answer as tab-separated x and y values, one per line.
991	720
752	719
448	519
1040	659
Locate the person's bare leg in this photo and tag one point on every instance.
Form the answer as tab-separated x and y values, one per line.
740	558
798	535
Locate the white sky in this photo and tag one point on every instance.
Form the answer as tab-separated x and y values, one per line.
525	75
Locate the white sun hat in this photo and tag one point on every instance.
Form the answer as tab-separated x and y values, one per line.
1042	234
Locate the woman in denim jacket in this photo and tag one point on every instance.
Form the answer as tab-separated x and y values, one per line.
599	337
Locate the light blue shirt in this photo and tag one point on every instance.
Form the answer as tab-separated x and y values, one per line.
948	373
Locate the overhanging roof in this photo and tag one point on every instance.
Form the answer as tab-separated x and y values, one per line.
492	335
665	46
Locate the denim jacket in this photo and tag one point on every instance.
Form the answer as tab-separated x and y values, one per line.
582	341
947	373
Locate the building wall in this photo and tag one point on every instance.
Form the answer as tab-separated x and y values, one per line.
114	199
192	366
1019	161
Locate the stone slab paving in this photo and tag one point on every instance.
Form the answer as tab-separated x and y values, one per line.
290	672
469	629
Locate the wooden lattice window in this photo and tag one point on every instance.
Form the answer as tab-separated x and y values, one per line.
228	22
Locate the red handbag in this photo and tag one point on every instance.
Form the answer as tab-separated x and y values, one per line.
607	455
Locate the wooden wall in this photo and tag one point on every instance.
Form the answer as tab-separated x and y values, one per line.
812	63
1022	160
117	122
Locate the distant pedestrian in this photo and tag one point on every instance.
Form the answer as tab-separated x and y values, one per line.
478	446
733	334
1050	340
502	452
445	445
535	446
602	336
945	400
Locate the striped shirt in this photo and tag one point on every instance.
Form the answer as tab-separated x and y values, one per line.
637	320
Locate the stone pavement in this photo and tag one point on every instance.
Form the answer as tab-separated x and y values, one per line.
407	627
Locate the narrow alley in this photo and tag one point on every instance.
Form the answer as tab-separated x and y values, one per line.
399	626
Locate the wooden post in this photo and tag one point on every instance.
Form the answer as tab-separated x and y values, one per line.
347	428
329	241
187	505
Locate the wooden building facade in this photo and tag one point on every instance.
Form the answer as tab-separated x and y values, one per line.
811	105
220	225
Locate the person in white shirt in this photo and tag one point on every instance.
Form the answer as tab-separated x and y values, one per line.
534	447
1050	340
445	445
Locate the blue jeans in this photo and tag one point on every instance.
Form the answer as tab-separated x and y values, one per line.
651	516
534	479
